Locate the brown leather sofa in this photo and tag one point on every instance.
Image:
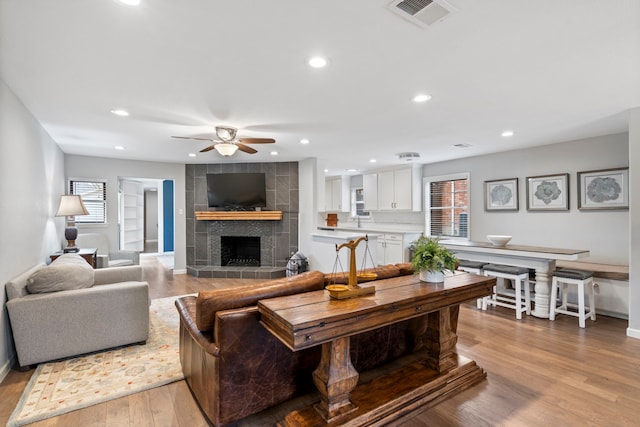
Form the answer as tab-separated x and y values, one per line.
236	368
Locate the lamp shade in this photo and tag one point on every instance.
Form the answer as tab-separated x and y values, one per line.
70	206
226	149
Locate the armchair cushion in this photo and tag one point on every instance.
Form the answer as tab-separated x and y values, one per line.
67	272
107	257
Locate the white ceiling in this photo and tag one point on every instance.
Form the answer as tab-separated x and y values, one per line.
551	71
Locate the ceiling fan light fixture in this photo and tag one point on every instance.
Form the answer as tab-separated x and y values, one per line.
226	149
226	134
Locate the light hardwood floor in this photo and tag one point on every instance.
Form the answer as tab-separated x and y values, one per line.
539	373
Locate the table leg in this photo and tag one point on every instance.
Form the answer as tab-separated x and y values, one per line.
543	289
335	378
440	338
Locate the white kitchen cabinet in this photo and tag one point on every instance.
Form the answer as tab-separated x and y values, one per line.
337	194
370	189
399	189
389	249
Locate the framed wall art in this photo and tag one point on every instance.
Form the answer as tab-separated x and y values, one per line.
501	195
603	189
548	192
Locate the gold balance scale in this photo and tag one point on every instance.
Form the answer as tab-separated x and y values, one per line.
352	289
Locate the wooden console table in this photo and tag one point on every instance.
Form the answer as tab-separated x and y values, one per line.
313	318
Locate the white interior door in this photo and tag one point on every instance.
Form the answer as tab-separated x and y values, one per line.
131	215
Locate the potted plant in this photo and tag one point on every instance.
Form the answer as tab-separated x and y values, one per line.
431	259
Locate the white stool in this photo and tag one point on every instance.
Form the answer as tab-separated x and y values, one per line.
580	278
520	276
474	267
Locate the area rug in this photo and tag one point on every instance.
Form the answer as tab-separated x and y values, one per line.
63	386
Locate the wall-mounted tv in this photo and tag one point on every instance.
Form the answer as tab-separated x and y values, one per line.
236	191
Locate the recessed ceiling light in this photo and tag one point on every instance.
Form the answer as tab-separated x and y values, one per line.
423	97
119	147
352	170
121	113
130	2
326	170
507	133
304	141
274	153
192	154
372	160
318	62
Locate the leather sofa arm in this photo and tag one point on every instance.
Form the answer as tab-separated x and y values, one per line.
186	307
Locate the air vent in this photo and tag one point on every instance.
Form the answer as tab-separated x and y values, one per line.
423	13
462	145
408	157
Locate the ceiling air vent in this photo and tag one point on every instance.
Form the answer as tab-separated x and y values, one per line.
408	157
423	13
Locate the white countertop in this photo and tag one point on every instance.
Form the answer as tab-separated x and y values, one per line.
343	235
377	228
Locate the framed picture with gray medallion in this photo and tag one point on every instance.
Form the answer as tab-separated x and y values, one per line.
603	189
548	192
501	195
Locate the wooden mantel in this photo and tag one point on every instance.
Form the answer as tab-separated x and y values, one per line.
238	215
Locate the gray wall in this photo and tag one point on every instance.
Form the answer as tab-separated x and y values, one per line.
112	169
31	183
604	233
634	224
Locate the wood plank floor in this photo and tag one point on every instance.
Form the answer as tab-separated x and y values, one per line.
539	373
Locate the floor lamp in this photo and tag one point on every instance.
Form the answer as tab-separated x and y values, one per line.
70	206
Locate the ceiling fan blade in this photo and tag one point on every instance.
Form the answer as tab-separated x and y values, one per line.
257	140
246	149
193	137
209	148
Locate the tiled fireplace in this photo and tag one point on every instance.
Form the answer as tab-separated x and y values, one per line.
277	238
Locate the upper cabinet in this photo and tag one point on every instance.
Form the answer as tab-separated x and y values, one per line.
370	189
399	189
336	196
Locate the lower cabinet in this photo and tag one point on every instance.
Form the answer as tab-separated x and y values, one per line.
393	248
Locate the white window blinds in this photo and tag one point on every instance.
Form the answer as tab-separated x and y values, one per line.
449	208
94	197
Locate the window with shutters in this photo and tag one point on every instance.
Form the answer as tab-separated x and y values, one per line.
447	206
94	197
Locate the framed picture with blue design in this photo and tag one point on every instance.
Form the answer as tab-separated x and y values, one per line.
501	195
603	189
548	192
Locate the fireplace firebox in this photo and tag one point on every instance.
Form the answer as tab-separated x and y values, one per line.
240	251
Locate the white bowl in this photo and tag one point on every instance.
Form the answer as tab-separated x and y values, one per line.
498	240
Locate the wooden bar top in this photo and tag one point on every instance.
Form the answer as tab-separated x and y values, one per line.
516	250
309	319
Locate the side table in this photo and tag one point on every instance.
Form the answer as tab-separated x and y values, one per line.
89	254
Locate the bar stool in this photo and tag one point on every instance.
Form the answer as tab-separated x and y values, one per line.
520	276
580	278
474	267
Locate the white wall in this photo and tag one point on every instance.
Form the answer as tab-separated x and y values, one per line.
111	169
31	183
604	233
634	224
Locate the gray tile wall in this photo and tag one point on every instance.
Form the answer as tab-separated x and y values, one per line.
278	239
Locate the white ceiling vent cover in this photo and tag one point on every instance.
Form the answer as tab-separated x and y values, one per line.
423	13
408	157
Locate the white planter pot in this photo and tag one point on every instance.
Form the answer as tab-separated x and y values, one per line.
431	276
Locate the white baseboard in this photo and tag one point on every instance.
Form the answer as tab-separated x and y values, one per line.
181	271
633	333
6	368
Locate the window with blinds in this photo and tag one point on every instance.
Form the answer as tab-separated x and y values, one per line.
448	207
94	197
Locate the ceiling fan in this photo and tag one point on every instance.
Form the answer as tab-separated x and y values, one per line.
226	143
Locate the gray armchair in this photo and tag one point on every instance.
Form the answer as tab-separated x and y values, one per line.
106	257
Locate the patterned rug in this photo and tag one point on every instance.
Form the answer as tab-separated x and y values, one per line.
59	387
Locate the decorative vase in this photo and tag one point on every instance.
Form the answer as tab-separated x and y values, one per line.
431	276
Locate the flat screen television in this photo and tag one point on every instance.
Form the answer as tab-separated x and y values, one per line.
236	191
